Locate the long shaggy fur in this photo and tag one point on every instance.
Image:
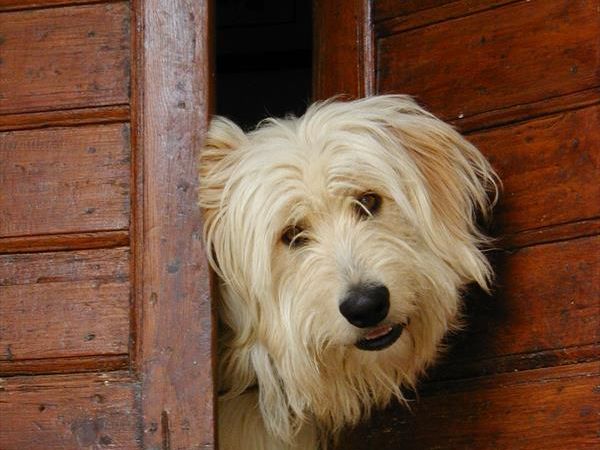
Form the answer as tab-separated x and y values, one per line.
290	375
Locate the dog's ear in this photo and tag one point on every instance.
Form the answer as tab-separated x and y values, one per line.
215	161
455	185
215	164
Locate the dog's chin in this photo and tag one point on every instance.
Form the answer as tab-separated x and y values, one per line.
380	338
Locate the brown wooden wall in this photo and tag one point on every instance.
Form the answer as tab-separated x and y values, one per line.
105	318
522	80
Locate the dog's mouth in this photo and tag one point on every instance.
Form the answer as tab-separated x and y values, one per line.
380	337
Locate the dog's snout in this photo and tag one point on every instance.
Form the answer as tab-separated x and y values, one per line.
366	305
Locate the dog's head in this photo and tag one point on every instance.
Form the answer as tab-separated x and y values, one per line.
343	239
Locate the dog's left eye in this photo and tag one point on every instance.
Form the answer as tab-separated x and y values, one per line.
368	204
292	236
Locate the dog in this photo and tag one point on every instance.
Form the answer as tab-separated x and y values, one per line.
343	240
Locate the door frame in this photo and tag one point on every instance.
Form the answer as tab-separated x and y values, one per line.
173	348
343	50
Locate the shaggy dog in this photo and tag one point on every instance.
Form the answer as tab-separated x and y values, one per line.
343	240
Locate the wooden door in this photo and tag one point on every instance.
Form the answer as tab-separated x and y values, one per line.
105	316
522	80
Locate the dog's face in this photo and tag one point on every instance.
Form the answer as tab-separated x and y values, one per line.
343	239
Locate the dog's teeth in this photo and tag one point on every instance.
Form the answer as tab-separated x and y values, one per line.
378	332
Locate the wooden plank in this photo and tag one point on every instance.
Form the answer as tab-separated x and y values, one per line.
343	49
64	180
176	347
61	58
71	117
553	233
453	367
12	5
54	242
532	410
558	155
69	412
64	304
392	17
385	9
516	113
547	300
435	63
76	364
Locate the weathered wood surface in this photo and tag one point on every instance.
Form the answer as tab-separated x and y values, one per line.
391	16
546	305
342	49
11	5
522	78
385	9
61	58
549	168
64	304
516	54
516	113
553	233
70	117
533	410
71	241
175	354
73	364
62	180
69	412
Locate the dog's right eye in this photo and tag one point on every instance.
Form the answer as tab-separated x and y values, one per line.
292	236
368	204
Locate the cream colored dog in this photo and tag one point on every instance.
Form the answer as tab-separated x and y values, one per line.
343	240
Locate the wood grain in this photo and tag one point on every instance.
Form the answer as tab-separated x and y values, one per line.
70	117
518	113
392	17
342	51
385	9
64	57
64	304
547	298
176	353
495	59
559	155
532	410
71	412
54	242
452	367
64	180
12	5
75	364
555	233
522	78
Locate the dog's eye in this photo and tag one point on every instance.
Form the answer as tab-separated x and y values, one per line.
369	204
292	236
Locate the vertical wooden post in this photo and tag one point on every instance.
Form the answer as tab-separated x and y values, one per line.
343	49
174	340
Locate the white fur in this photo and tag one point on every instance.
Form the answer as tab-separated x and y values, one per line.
290	375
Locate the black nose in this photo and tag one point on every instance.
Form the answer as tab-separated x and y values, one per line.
366	305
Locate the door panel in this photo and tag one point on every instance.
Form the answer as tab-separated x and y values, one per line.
504	57
64	57
558	154
86	180
536	409
70	411
105	314
545	312
82	296
521	79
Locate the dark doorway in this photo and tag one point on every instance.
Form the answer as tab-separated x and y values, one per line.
264	53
